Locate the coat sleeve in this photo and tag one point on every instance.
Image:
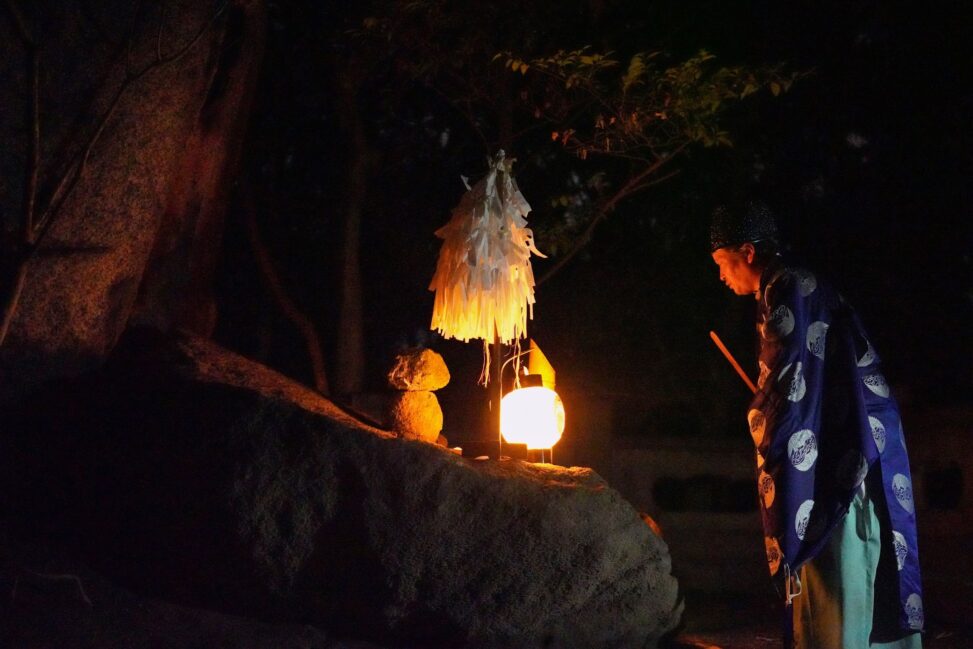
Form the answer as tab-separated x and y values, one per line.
785	413
787	398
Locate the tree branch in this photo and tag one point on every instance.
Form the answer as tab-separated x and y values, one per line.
467	115
33	119
19	24
32	171
34	163
13	300
560	78
269	274
635	184
75	579
158	39
130	39
88	14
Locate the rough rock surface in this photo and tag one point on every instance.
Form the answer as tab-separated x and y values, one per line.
416	415
419	369
82	285
45	612
195	475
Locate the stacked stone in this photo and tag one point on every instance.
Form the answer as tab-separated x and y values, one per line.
414	412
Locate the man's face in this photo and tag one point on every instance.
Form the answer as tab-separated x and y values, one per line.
737	269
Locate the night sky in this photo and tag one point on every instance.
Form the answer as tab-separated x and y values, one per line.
866	162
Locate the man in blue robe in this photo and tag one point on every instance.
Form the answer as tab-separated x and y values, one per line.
833	475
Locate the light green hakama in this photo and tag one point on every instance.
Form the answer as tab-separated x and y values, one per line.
839	606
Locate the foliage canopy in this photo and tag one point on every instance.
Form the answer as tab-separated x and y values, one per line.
599	125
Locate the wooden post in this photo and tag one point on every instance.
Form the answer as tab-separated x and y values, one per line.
496	392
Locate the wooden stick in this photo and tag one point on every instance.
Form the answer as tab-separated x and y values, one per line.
733	361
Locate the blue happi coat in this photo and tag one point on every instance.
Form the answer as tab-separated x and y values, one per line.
822	419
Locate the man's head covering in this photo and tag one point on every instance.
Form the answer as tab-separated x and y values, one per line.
732	227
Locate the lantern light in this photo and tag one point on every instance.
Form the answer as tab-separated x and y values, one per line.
533	416
532	413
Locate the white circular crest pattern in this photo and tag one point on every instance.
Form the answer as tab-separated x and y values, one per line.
767	489
806	282
764	373
816	334
802	518
902	488
796	387
876	383
901	548
802	449
868	357
773	554
758	425
779	323
913	609
878	433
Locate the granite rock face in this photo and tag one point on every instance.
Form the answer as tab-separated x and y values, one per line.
194	475
419	369
138	231
80	609
416	415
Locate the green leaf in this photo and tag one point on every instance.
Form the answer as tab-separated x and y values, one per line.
636	67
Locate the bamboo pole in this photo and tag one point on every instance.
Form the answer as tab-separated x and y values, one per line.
733	361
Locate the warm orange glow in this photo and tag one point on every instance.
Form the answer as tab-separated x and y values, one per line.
537	363
533	416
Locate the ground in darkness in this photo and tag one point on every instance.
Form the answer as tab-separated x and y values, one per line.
739	621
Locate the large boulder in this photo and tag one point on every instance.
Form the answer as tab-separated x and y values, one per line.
61	604
137	233
195	475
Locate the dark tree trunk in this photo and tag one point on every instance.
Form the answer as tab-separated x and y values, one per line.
350	354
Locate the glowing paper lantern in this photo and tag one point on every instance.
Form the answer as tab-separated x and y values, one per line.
533	416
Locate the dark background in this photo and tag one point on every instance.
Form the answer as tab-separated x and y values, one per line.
866	162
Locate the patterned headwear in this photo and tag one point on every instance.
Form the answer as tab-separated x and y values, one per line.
754	222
